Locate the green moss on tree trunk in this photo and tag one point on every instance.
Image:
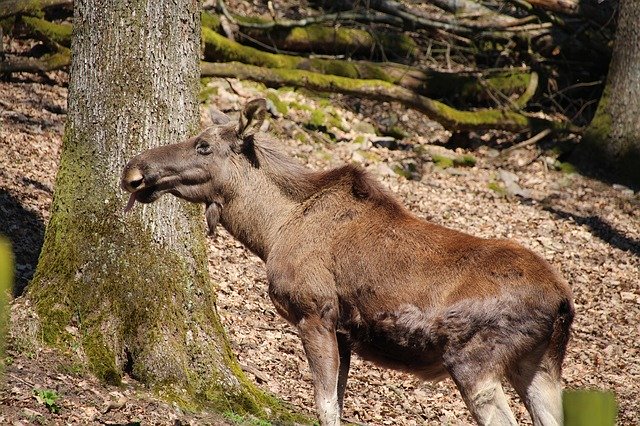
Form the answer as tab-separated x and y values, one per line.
616	153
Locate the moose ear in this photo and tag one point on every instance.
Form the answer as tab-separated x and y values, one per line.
218	118
252	117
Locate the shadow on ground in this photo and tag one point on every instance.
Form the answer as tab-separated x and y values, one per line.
601	229
594	164
25	229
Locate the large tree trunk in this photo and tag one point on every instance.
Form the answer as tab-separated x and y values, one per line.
133	290
613	137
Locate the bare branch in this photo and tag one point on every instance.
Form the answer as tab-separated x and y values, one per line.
367	16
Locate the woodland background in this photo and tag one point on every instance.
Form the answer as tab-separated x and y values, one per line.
475	114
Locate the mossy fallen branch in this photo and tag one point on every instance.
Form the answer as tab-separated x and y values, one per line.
309	36
13	7
48	31
450	118
51	62
365	16
524	99
218	48
326	40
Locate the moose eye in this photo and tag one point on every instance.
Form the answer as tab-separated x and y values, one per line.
203	148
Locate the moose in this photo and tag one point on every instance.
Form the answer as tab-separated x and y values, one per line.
355	271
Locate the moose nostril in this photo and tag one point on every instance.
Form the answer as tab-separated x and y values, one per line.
136	183
132	180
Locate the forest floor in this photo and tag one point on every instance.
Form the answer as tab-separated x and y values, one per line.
588	229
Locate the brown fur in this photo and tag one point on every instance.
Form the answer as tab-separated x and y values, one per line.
354	270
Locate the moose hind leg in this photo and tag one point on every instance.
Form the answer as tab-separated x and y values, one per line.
539	385
485	399
344	350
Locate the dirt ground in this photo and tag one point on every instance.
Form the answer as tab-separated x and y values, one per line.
589	230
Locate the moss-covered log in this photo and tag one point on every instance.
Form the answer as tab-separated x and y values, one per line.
134	288
56	36
13	7
367	16
50	62
449	117
425	82
48	31
325	40
320	39
459	87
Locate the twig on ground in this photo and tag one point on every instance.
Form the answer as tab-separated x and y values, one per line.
533	140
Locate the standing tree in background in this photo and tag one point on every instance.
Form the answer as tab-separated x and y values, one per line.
613	137
133	290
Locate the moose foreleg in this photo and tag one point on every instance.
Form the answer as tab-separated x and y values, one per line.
320	343
484	396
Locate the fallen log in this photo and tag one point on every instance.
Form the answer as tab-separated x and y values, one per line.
448	117
326	40
311	37
367	16
14	7
42	29
460	87
218	48
51	62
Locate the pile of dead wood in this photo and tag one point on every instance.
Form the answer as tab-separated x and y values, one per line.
517	65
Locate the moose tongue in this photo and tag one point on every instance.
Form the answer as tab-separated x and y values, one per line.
131	202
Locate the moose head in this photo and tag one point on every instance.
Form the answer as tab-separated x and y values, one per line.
201	169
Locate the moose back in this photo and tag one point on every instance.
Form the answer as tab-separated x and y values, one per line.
355	271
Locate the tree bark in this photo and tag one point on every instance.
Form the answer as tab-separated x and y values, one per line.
613	137
135	287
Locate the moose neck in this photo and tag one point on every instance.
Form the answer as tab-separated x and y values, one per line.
255	211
